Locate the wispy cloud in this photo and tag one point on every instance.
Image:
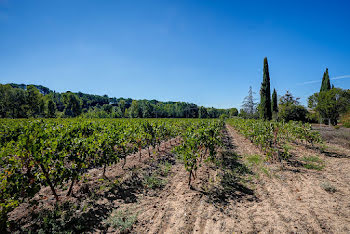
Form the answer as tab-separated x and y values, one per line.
309	82
319	81
340	77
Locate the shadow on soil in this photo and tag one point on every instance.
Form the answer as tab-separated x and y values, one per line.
92	203
233	173
334	154
327	152
86	214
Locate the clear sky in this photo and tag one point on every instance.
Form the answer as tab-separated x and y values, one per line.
205	52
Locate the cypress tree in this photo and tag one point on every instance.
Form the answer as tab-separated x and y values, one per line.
274	105
265	94
322	84
326	84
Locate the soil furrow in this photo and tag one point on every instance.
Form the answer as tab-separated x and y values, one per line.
289	199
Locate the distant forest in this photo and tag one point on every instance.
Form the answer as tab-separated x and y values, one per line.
33	101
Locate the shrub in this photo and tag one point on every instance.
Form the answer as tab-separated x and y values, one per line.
345	120
292	112
313	117
122	220
328	187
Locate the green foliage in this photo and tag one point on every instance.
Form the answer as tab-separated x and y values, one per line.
38	153
135	110
156	178
35	101
345	120
107	108
165	169
72	104
274	103
59	220
290	109
243	114
254	159
313	162
265	95
97	113
330	104
202	114
292	112
22	101
200	141
223	117
273	137
232	112
289	99
122	220
326	84
153	181
51	108
313	117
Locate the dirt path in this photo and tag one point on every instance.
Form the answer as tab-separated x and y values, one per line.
293	200
289	200
179	209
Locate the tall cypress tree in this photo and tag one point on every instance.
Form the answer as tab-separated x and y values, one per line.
274	104
326	84
265	94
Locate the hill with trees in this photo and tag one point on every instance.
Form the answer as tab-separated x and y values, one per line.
26	101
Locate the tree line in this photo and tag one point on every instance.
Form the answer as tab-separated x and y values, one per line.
326	106
33	101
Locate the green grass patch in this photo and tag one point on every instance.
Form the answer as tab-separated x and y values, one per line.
257	161
164	169
313	163
254	159
121	220
313	166
266	171
312	159
154	181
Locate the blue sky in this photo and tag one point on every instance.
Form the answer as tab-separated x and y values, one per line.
205	52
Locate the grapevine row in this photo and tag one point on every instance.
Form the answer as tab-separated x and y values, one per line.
199	142
273	137
36	153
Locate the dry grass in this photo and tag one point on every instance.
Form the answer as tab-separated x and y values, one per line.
338	136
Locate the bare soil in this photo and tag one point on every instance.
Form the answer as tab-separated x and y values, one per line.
235	195
285	200
339	136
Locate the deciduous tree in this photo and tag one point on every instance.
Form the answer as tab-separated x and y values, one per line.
330	104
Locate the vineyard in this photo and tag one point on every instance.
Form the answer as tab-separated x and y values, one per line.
57	154
38	153
273	137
